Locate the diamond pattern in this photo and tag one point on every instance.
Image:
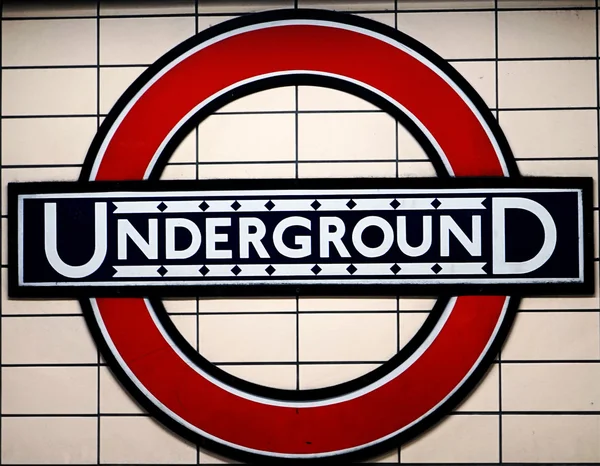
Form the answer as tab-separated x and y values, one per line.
316	269
162	271
436	203
204	270
351	204
204	205
395	269
270	270
236	270
236	205
270	205
351	269
315	205
162	207
436	268
395	204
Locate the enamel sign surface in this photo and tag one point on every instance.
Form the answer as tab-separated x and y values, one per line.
479	235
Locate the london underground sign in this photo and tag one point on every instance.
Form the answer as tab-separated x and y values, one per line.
119	238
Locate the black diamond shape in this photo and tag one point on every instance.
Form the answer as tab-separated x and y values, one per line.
204	205
204	270
351	204
316	270
270	270
162	207
395	204
436	268
236	205
270	205
395	269
315	205
436	203
236	270
162	271
351	269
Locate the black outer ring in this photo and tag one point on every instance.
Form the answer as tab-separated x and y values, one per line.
352	385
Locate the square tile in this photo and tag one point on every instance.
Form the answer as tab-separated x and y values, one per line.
187	327
543	84
114	82
39	340
141	40
248	338
553	335
346	136
326	375
551	439
457	439
56	141
141	440
49	92
49	390
409	150
482	76
484	397
546	34
410	324
46	440
551	133
243	138
186	150
49	42
452	34
113	397
347	337
550	387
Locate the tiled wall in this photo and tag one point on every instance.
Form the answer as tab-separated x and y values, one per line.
63	66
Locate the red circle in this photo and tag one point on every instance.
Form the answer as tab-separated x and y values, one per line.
266	426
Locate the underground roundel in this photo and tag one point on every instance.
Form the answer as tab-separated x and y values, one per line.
478	235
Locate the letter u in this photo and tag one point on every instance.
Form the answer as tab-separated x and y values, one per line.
50	243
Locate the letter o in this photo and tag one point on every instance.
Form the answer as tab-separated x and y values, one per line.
388	236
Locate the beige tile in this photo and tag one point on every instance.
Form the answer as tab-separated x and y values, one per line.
280	376
141	440
49	92
179	172
553	335
180	305
113	397
141	40
242	7
205	22
147	7
247	305
551	133
41	307
243	138
39	174
186	150
561	168
390	457
485	396
114	82
547	4
56	141
49	390
482	76
35	340
273	170
251	338
457	439
453	34
272	100
546	34
416	169
389	19
550	387
410	323
409	148
444	4
347	304
417	304
347	170
207	457
347	337
20	9
346	136
322	98
187	327
49	42
562	83
49	440
356	5
326	375
551	439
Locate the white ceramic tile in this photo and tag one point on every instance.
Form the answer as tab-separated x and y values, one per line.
485	396
322	98
554	335
326	375
417	304
205	22
280	376
113	397
141	440
347	337
146	7
186	150
49	42
49	92
49	390
545	4
56	141
187	327
452	34
482	76
543	84
550	387
272	170
242	138
114	82
410	323
271	100
141	40
546	34
416	169
46	440
179	172
33	340
551	439
180	305
389	19
457	439
409	148
551	133
247	305
347	304
444	4
249	338
348	170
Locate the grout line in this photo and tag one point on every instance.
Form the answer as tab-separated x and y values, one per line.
99	359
